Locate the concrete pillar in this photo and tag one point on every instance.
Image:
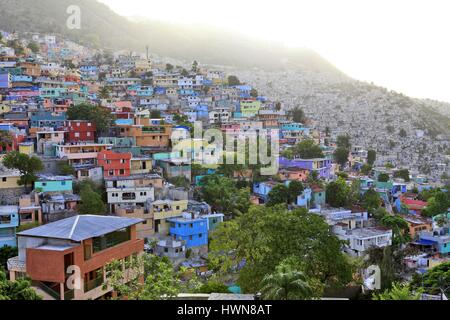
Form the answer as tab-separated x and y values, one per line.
61	289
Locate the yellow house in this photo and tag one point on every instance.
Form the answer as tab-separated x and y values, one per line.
166	209
141	165
4	108
9	180
26	148
144	229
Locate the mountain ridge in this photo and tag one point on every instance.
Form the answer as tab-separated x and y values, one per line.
104	28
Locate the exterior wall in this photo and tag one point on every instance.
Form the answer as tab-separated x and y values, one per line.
115	164
48	265
194	232
141	166
54	186
80	131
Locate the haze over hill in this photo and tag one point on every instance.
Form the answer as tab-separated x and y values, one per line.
102	27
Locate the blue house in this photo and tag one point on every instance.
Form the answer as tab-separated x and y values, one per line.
304	200
9	221
43	119
439	239
190	228
56	184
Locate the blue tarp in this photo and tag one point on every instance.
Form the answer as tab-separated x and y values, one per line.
424	242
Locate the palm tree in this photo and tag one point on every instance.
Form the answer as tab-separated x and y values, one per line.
104	93
286	284
399	228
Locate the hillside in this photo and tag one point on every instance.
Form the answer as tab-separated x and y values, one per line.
102	27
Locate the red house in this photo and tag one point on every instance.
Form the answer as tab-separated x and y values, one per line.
115	164
80	131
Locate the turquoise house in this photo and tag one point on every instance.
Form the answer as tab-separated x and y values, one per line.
9	221
54	184
318	197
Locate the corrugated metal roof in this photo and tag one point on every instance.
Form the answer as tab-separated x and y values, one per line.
80	228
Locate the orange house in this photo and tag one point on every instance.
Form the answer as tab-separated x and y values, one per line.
58	254
115	164
294	174
148	133
417	224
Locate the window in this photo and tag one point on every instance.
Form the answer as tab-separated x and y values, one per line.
63	183
121	172
4	179
190	238
77	134
111	240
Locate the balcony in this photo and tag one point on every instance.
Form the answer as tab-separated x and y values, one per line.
93	284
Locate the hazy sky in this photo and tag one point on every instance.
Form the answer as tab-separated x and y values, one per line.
400	44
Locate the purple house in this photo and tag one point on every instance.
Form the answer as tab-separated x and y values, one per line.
321	166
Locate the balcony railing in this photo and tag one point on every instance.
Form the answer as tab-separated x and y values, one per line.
93	284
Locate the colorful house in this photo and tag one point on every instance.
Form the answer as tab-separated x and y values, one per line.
115	164
80	131
89	242
191	228
321	165
54	184
9	221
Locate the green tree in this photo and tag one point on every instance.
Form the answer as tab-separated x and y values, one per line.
278	195
295	189
194	66
403	133
65	169
403	174
341	156
337	193
104	93
371	200
286	284
6	140
383	177
152	278
366	169
343	141
298	115
34	47
233	81
371	157
16	290
308	149
437	204
399	292
399	226
169	67
184	72
102	117
91	202
266	236
435	280
6	253
26	165
223	195
155	114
